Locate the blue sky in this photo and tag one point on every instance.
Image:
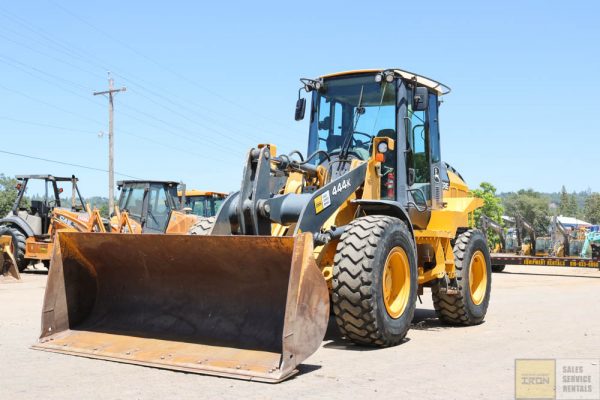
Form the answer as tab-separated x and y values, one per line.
208	80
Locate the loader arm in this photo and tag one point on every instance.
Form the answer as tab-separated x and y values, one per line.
258	205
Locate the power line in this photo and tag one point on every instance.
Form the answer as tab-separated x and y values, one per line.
62	128
64	163
219	148
124	132
85	56
50	104
164	67
8	60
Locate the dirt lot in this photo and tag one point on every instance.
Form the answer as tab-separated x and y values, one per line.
544	313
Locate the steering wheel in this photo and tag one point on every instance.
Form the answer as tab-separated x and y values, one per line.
351	154
357	143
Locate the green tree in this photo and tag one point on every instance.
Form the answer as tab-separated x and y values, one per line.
573	208
592	208
492	204
532	206
564	201
492	207
568	203
8	194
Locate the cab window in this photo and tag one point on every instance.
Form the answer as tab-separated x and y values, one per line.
132	200
158	208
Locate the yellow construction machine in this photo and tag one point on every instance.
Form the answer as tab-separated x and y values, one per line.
8	264
364	222
150	206
32	227
202	203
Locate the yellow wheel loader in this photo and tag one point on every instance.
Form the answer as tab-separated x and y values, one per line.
202	203
364	222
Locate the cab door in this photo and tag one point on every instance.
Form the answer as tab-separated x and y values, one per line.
157	209
438	172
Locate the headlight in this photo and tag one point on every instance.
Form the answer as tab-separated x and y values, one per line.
382	147
378	78
389	78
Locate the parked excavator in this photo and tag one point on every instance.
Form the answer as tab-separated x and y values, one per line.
485	224
525	248
367	220
560	239
591	246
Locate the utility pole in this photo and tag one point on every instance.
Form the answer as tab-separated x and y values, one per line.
111	144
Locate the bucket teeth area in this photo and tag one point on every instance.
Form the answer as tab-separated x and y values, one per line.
210	304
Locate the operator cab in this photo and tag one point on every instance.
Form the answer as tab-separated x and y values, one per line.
349	109
149	203
37	214
203	203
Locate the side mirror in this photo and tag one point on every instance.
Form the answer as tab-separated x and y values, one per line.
300	109
421	99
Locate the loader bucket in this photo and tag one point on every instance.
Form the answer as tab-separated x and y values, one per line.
8	264
249	307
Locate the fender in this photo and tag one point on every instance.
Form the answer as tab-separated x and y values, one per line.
226	216
19	223
385	207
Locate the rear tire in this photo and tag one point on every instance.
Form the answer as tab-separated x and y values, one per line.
18	245
203	226
373	305
469	306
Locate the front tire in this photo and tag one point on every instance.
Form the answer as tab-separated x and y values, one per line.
375	277
474	277
203	226
17	245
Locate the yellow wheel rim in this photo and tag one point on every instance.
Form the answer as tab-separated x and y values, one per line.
396	282
477	277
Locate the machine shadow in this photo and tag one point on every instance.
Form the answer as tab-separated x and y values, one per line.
424	319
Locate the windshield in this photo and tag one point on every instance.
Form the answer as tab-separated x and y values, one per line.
349	112
204	206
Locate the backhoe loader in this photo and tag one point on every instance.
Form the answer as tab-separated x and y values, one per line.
364	222
150	206
32	227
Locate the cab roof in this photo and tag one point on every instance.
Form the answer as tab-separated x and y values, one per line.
129	182
46	178
432	84
194	192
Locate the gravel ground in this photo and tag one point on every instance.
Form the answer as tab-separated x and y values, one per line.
541	313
